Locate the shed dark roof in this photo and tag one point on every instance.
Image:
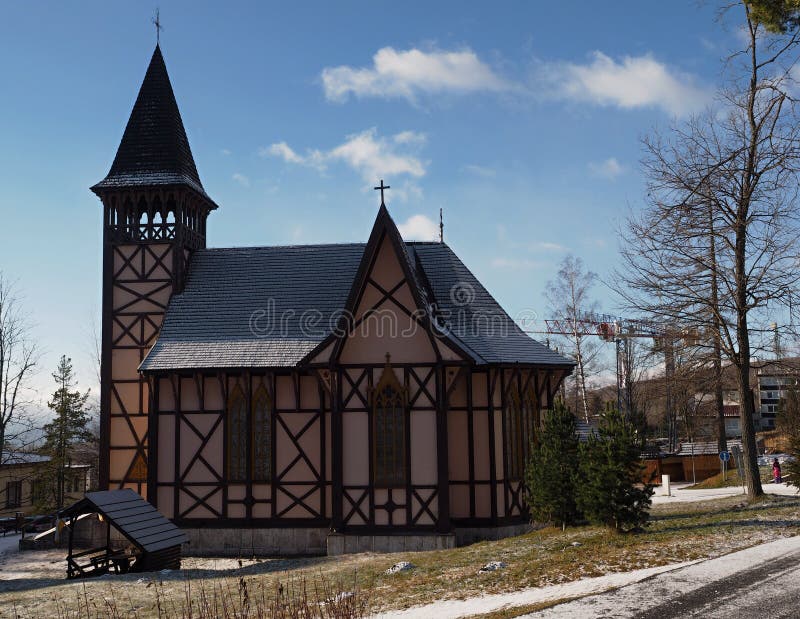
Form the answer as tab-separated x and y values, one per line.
154	149
140	523
250	307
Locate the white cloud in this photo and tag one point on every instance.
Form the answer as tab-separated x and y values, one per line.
547	246
410	137
282	150
225	152
481	171
241	179
609	168
405	191
409	73
367	153
419	228
374	157
515	264
708	44
633	82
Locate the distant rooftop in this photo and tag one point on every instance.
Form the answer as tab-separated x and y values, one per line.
9	458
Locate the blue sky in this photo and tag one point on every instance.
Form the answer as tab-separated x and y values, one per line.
521	120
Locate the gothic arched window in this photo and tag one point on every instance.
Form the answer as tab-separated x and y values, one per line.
237	435
389	430
262	435
251	444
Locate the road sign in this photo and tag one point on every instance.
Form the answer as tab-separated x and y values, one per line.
724	456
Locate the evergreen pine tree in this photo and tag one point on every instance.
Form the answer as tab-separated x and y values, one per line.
551	471
610	489
68	428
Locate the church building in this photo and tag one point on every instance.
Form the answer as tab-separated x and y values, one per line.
302	398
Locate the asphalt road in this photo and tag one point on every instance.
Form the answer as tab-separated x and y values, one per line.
759	582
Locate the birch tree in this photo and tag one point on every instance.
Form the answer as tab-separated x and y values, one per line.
569	299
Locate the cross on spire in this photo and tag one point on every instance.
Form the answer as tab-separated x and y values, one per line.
157	21
382	187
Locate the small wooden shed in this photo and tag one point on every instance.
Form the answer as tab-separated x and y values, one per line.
154	543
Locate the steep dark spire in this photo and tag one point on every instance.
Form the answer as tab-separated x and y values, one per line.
154	149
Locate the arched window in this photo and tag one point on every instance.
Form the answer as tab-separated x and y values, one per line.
251	444
262	435
389	430
237	435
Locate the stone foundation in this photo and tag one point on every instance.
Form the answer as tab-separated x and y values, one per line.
255	542
342	544
470	535
318	541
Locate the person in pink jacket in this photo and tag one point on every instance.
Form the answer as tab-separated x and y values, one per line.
776	471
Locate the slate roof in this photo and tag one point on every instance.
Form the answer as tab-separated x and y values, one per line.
473	316
705	449
154	149
247	307
141	523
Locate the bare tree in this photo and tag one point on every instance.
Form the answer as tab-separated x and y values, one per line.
722	212
569	300
18	359
639	363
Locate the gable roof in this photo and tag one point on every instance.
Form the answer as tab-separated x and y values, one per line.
384	229
141	523
154	149
272	306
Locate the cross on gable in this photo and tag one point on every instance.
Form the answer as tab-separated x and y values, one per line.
382	187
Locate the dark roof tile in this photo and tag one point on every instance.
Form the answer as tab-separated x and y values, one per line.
154	149
271	306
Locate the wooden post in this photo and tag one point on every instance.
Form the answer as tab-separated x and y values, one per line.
69	547
442	473
337	433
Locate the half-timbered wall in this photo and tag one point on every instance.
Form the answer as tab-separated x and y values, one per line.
148	238
141	288
190	482
387	336
481	440
459	434
191	458
414	504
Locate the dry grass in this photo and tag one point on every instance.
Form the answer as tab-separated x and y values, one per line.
678	532
732	478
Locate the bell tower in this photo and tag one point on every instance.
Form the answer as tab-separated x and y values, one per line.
154	217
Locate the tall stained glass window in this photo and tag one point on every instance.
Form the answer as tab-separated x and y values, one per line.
389	431
262	435
249	444
237	435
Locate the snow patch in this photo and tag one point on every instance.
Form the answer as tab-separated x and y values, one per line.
492	566
403	566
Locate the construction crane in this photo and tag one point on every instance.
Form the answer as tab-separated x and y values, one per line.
620	331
